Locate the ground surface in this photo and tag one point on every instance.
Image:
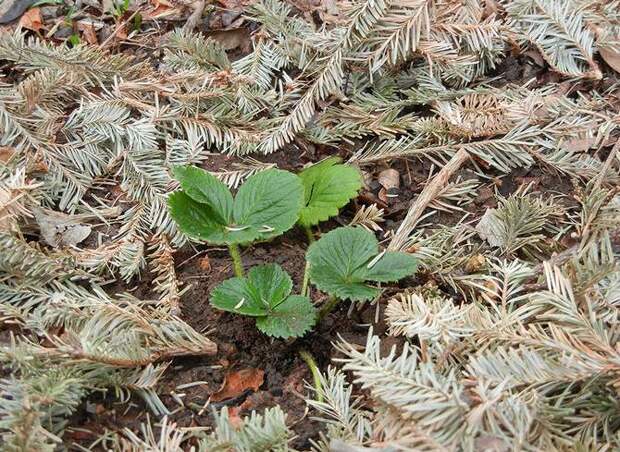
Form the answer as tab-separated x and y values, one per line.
200	268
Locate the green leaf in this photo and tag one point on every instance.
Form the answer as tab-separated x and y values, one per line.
269	202
265	294
205	188
392	267
266	205
236	295
343	260
328	186
291	318
199	221
270	284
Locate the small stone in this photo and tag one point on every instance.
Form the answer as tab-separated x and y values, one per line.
63	32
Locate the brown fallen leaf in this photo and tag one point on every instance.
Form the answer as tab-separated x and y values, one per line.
389	178
579	144
232	39
88	31
491	7
234	418
6	153
32	20
536	57
161	9
390	181
205	264
475	263
59	229
12	9
611	56
236	383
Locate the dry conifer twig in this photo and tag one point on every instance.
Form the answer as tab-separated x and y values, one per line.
430	192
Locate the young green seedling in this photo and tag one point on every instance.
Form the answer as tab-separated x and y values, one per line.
265	206
266	294
328	186
345	260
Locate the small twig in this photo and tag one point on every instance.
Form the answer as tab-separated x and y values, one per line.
612	154
430	192
194	18
209	349
116	30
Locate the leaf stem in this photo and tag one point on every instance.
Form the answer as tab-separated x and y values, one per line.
328	307
233	249
309	234
304	286
316	376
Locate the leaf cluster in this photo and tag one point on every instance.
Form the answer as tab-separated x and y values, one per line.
266	294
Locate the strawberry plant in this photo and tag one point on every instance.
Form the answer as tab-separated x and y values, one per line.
265	206
266	294
328	186
346	260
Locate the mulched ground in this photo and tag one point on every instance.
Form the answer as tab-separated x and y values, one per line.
240	344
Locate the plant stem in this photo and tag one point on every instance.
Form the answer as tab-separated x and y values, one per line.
233	249
309	234
304	286
328	307
316	376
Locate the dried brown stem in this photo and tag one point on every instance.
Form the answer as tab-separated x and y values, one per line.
430	192
194	19
209	349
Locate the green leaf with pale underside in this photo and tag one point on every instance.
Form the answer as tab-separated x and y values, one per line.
328	186
345	260
266	294
266	205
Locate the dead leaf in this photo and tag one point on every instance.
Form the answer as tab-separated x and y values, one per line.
121	32
248	404
236	383
389	178
487	228
611	56
488	443
579	144
161	3
390	181
232	39
475	263
88	31
59	229
12	9
536	57
6	153
161	9
32	20
205	264
491	8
